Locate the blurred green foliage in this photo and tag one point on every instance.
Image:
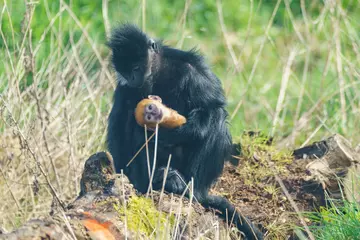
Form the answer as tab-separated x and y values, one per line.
246	22
337	222
161	16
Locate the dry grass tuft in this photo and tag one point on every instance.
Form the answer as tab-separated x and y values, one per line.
53	116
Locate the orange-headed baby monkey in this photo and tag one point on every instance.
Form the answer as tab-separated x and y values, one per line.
150	111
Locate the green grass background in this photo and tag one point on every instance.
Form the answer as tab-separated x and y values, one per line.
246	23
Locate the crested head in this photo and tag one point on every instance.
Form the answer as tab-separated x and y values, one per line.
133	55
128	43
128	38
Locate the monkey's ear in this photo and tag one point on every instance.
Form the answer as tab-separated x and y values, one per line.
155	97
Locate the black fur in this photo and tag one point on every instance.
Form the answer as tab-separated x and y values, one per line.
185	83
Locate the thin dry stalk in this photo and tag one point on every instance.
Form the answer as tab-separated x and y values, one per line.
248	30
306	117
313	134
147	151
24	49
339	66
25	25
10	190
92	44
191	197
85	78
164	179
4	40
284	83
142	147
154	161
10	23
105	14
227	41
292	202
302	91
296	28
67	224
178	215
47	30
163	188
44	136
257	59
124	202
27	146
143	14
183	23
68	132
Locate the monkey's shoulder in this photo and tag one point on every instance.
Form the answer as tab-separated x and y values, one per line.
192	57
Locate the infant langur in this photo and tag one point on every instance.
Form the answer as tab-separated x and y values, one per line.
151	111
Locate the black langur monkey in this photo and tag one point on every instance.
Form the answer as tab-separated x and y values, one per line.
186	84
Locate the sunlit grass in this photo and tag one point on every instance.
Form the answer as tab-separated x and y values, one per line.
338	222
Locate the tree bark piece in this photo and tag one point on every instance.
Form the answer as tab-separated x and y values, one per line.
335	165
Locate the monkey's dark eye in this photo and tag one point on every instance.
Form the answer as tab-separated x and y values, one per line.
153	45
149	108
136	68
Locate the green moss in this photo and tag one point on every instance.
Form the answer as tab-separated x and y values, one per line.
257	154
258	145
142	217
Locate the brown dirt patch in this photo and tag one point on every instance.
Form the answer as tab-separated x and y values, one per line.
265	203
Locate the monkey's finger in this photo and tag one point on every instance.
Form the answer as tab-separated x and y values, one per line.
155	97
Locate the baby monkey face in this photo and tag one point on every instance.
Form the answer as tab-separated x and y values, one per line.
152	114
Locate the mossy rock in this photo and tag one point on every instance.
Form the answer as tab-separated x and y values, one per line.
142	217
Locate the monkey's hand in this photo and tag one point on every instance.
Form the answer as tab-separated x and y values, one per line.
151	111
